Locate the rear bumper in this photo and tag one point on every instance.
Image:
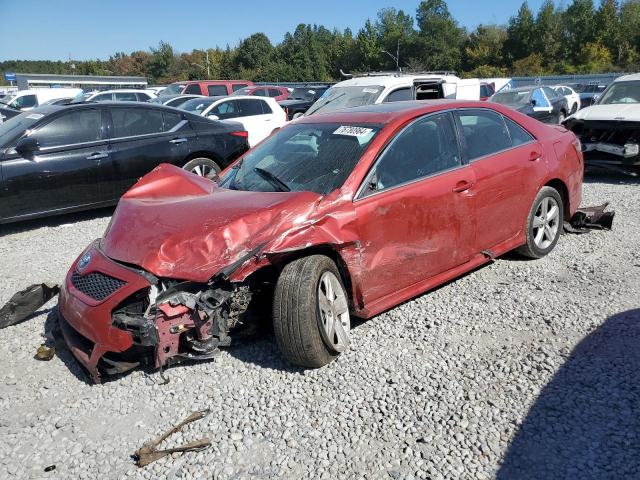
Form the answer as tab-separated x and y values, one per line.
86	321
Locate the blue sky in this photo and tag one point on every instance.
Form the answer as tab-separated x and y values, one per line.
57	29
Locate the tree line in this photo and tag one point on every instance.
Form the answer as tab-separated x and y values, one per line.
583	37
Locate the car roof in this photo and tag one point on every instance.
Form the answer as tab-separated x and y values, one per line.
391	80
523	89
383	113
628	78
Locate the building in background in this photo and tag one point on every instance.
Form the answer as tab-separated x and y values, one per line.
27	81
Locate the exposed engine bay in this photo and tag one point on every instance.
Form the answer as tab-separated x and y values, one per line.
608	142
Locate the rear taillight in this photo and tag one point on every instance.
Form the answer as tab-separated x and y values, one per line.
241	133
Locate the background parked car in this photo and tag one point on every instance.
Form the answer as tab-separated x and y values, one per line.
301	98
80	156
589	93
279	93
541	103
174	100
156	88
209	88
24	100
573	97
121	95
260	116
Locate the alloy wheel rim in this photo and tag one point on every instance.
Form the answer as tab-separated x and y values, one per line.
335	323
546	222
202	170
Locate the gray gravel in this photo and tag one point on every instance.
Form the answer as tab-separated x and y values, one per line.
521	369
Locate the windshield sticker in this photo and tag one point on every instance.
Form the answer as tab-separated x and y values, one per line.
369	90
353	131
35	116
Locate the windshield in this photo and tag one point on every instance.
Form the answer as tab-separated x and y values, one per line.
302	94
7	99
14	127
197	105
346	97
621	92
174	89
305	157
512	98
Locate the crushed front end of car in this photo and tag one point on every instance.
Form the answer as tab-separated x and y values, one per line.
115	317
608	142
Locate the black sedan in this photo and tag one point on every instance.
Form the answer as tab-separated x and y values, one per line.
301	99
541	103
56	159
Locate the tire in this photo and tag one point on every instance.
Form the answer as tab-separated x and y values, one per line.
203	167
298	317
574	109
561	117
540	244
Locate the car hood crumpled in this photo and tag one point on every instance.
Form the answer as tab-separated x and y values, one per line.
175	224
614	112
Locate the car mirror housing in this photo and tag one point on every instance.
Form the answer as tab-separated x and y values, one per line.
27	146
213	117
533	102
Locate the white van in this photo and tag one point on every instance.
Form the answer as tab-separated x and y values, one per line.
28	99
372	88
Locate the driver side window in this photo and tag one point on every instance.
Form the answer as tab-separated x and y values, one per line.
424	148
225	110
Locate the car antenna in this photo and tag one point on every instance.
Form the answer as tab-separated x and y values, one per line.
346	75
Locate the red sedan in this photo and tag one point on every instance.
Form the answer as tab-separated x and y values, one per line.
348	213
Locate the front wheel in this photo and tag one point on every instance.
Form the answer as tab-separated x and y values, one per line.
544	224
203	167
311	312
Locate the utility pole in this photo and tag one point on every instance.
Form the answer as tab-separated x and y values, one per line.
396	57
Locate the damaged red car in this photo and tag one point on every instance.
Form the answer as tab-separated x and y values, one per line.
338	215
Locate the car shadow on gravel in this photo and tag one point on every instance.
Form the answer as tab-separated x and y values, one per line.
586	422
54	221
598	175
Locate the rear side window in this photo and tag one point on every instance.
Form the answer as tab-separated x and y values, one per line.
216	90
519	135
249	108
126	97
238	86
193	88
171	120
128	122
426	147
400	95
103	97
260	92
74	127
266	109
224	110
484	132
26	101
142	97
274	92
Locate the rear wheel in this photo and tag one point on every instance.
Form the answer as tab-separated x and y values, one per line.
311	312
203	167
544	224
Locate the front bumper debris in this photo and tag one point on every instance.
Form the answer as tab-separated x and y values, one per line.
590	218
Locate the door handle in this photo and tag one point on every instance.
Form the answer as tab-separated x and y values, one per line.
534	155
178	141
97	156
462	186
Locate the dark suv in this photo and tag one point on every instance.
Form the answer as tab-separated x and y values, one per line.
301	98
56	159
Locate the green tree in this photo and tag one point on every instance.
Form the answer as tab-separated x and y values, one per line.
531	65
440	39
579	26
521	33
629	20
608	27
395	31
254	54
484	47
598	58
549	34
160	62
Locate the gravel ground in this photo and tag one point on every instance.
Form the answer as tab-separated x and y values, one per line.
520	369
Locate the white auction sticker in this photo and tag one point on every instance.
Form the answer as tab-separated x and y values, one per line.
369	90
35	116
353	131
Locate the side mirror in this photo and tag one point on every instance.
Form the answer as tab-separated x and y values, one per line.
533	102
373	182
213	117
27	146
